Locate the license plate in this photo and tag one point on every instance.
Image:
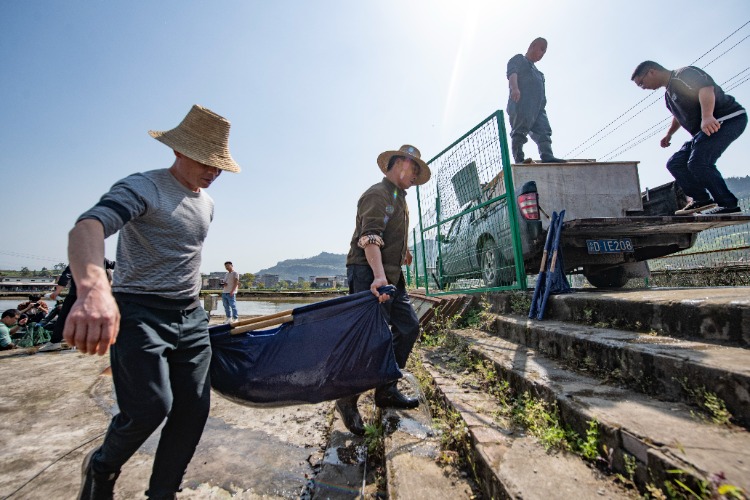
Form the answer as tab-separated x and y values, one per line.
610	245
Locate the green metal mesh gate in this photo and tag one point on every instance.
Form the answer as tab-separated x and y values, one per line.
467	239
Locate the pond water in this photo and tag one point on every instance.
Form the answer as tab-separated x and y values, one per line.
245	307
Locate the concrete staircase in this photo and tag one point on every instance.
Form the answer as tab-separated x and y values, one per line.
663	374
655	382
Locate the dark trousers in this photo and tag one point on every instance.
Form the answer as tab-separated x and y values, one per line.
160	369
398	312
57	332
529	118
694	165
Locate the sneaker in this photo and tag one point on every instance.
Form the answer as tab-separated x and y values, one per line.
722	210
227	321
696	206
94	485
50	347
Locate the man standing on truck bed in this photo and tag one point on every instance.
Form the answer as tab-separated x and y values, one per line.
713	118
526	104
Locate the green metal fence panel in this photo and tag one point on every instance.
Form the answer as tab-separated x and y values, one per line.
468	238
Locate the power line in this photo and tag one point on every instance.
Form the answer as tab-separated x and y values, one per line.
578	150
620	125
722	54
725	39
29	256
627	145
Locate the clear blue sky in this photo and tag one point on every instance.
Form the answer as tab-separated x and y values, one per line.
315	90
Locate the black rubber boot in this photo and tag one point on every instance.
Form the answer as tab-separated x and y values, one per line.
552	159
388	396
517	152
347	408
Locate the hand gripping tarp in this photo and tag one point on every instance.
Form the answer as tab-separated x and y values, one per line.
331	349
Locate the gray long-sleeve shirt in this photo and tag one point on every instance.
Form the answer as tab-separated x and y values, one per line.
162	227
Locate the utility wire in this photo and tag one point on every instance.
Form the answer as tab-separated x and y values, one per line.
29	256
577	149
635	141
620	125
722	54
725	39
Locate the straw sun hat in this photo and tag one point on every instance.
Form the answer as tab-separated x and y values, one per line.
202	136
409	152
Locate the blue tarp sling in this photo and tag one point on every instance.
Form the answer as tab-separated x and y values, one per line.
331	349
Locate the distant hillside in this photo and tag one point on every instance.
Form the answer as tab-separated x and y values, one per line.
740	186
325	264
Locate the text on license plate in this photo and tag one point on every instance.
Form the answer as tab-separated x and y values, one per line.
609	245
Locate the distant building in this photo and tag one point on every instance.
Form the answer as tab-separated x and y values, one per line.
268	280
329	281
27	284
213	281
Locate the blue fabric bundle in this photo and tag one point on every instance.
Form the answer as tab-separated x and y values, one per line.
332	349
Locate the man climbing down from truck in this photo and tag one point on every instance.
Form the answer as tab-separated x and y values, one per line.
713	118
526	104
378	249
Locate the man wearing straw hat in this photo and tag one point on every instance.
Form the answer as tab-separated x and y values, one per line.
161	358
378	249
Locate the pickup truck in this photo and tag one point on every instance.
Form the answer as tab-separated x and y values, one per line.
611	228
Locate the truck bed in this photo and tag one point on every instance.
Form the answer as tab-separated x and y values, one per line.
607	227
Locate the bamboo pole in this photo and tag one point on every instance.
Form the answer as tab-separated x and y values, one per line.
260	319
262	324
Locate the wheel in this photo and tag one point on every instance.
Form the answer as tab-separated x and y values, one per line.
614	277
493	266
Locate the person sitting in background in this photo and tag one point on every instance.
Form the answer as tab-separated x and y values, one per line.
66	279
48	323
11	322
35	308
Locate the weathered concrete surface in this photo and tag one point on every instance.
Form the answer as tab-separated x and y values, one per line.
669	368
510	463
342	472
720	314
55	408
664	436
412	447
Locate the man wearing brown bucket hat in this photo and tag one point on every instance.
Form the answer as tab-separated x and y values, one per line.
378	249
161	358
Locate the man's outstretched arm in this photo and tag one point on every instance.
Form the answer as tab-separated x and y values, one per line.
94	319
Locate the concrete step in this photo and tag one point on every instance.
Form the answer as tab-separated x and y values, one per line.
660	436
509	463
719	314
668	368
412	449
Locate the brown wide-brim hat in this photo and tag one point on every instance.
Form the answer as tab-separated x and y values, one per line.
202	136
409	152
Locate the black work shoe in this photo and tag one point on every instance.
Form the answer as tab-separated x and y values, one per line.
347	408
696	206
95	486
552	159
390	397
721	211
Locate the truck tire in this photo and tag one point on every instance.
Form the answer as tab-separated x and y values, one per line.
614	277
493	266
